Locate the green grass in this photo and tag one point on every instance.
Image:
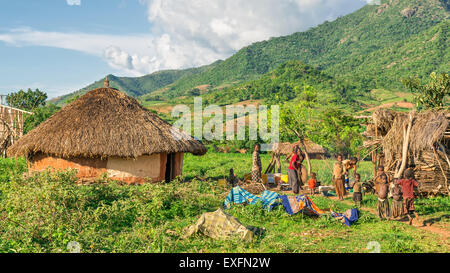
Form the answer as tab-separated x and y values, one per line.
45	212
202	167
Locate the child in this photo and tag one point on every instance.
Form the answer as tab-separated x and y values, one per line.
357	194
408	185
312	183
383	201
232	179
397	200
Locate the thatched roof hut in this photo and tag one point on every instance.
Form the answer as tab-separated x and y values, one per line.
428	145
315	151
108	131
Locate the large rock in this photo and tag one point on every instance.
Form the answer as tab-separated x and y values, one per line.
408	12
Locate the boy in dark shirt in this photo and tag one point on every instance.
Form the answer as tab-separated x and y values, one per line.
408	185
383	201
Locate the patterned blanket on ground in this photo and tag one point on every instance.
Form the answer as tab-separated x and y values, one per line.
349	217
300	203
238	195
219	225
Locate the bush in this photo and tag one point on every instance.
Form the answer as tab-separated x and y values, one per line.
45	212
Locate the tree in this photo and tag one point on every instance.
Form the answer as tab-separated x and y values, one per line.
338	131
27	100
40	115
298	120
431	95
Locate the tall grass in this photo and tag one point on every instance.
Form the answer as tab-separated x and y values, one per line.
46	211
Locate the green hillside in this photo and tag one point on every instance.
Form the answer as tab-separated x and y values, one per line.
418	55
372	48
138	86
285	83
347	40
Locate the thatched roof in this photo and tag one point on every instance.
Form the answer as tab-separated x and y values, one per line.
428	128
103	123
311	147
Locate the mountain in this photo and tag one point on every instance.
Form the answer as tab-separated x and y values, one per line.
289	81
138	86
370	30
374	47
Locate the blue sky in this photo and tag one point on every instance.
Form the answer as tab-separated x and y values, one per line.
60	46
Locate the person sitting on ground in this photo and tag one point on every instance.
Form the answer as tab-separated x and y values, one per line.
397	201
357	187
312	183
383	201
408	184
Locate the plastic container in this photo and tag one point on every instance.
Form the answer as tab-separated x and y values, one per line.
222	182
284	178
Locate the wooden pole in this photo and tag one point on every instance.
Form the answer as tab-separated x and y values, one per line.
374	154
406	134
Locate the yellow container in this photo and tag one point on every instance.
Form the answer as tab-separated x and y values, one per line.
222	182
265	178
284	178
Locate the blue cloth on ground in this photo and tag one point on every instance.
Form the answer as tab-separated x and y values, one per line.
350	220
238	195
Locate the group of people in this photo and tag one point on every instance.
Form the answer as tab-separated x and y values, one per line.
402	193
401	190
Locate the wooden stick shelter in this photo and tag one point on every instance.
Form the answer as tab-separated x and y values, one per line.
11	125
106	131
417	140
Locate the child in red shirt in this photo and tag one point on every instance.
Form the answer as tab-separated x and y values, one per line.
408	185
312	183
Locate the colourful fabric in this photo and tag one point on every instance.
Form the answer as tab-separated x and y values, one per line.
408	187
350	216
270	199
238	195
295	204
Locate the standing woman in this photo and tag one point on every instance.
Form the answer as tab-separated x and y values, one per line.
293	170
338	177
256	167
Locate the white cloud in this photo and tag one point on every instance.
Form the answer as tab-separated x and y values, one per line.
192	33
373	2
73	2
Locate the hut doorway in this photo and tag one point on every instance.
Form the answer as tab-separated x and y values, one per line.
170	167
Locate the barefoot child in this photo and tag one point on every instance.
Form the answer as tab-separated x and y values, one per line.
357	194
408	185
397	201
383	201
312	183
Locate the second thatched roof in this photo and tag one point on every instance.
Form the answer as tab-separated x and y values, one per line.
311	147
428	128
103	123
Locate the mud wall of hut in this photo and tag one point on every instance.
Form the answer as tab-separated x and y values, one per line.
144	168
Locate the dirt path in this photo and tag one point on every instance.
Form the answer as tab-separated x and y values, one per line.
421	225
